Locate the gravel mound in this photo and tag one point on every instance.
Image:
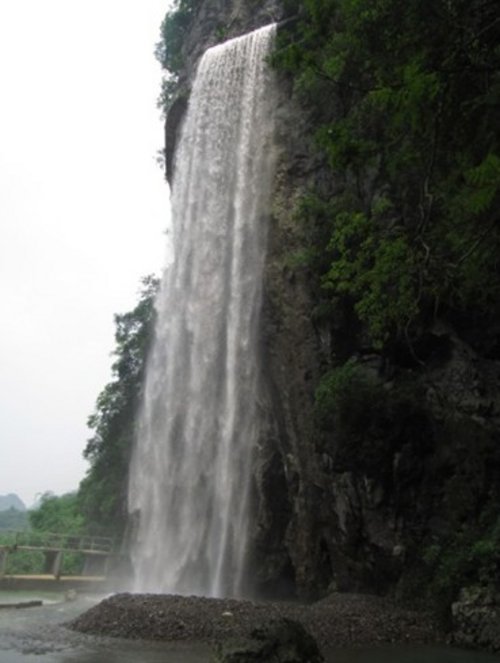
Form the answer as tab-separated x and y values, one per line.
338	621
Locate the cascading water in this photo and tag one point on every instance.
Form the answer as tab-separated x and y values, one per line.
190	469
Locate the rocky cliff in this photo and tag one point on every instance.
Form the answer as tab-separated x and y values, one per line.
389	481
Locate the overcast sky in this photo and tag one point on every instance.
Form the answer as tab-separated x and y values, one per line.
83	210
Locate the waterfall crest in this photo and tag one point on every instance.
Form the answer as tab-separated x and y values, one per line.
190	467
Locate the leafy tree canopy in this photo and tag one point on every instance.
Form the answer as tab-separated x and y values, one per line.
168	50
57	514
12	519
404	101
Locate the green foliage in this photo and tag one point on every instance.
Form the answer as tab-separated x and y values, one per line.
102	493
168	50
24	562
173	31
341	388
362	425
465	558
375	268
221	33
404	101
462	548
168	88
12	519
60	515
57	514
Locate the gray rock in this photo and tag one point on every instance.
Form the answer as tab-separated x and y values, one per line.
280	641
476	619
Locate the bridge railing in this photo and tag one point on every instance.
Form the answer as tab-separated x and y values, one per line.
52	541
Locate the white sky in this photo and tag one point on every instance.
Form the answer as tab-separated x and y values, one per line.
83	210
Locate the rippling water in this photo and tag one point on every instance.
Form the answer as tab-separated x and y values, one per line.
37	635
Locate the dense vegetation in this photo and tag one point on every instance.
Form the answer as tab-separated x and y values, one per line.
58	514
102	493
13	519
404	100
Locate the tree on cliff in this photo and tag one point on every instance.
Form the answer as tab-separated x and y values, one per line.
168	50
102	493
404	104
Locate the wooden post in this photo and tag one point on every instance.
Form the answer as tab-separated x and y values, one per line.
53	562
49	561
56	568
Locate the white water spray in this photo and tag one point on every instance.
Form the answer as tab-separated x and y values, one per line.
190	471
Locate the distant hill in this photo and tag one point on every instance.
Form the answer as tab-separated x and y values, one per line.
13	519
11	501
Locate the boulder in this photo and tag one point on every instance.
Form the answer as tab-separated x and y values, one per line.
279	641
476	619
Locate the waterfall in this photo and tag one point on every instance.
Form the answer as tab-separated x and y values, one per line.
191	464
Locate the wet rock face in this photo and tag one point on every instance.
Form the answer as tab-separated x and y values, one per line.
353	505
172	126
293	351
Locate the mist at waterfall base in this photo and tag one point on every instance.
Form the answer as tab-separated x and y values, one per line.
190	468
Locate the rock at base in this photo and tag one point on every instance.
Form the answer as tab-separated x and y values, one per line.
476	619
279	641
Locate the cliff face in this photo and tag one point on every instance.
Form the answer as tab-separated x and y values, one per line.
403	479
400	485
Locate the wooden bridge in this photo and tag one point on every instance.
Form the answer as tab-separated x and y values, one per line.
96	552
